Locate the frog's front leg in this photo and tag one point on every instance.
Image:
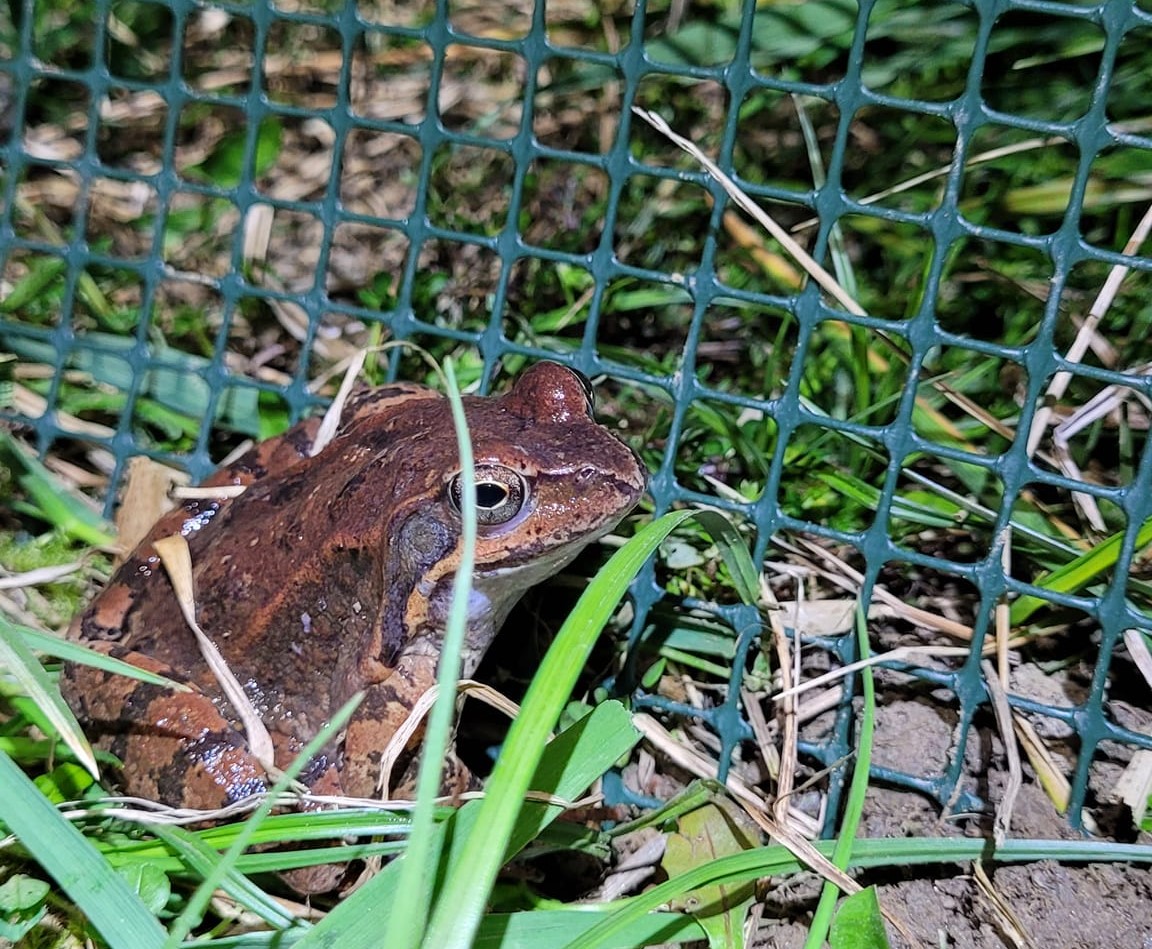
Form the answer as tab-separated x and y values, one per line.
385	708
176	747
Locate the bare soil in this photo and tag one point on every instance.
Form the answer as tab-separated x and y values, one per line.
1047	904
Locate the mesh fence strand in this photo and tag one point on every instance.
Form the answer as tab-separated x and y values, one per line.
76	86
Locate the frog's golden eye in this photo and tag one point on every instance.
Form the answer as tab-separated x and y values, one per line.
500	494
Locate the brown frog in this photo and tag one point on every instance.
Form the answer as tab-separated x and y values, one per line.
332	574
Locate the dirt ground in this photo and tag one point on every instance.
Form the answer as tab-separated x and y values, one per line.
1095	906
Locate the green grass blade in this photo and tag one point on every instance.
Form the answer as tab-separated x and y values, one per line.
17	659
539	929
909	851
572	761
837	246
415	887
40	275
868	496
197	854
951	508
65	510
734	550
554	929
99	892
465	893
854	807
586	928
1079	573
859	923
461	903
76	652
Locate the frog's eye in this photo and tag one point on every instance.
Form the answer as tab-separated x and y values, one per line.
500	494
589	394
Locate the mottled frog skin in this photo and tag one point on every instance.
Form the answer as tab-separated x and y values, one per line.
332	574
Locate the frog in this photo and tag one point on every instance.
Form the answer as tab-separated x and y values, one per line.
320	575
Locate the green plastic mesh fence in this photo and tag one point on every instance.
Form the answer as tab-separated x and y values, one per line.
208	205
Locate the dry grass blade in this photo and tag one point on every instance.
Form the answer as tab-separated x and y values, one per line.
771	263
1134	786
760	731
177	560
980	158
1003	713
848	578
102	461
806	260
1138	650
789	663
785	821
415	719
837	292
244	920
31	578
143	811
1050	776
756	806
906	654
1106	402
1002	614
218	492
257	232
1010	924
1079	347
33	405
332	416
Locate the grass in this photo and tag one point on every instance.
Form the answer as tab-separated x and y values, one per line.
738	393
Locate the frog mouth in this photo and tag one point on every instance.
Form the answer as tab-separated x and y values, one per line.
552	553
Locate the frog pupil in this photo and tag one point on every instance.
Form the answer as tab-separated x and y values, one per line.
490	494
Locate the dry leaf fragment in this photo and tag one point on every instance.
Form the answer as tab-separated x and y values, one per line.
177	559
146	499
